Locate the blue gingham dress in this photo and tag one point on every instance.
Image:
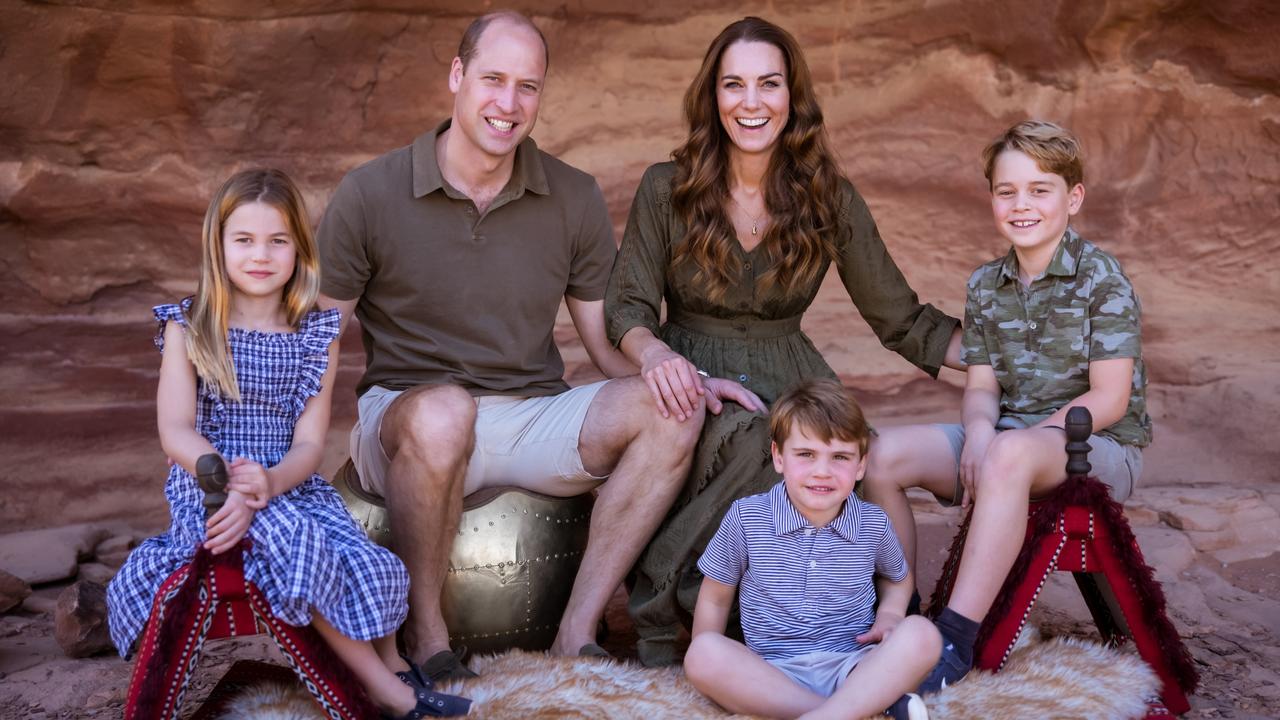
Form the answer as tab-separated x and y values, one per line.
308	552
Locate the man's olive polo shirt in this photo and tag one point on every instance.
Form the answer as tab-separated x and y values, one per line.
450	295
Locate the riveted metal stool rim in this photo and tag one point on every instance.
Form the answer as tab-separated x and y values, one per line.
348	476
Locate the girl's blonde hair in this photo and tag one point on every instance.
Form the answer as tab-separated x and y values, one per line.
207	319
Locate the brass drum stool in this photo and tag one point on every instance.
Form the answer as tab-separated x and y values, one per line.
512	566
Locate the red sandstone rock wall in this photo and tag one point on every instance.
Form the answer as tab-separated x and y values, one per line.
120	118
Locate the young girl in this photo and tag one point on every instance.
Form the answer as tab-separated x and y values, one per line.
247	372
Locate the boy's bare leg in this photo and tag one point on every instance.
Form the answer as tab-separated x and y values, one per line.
742	682
1020	465
904	457
647	459
428	432
384	688
888	672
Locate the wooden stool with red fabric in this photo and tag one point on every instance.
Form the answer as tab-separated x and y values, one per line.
1080	529
209	598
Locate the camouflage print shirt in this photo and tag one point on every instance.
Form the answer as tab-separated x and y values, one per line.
1040	338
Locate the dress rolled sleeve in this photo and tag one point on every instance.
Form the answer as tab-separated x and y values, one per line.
918	332
638	283
725	559
343	241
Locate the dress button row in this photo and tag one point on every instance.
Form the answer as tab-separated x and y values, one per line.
813	564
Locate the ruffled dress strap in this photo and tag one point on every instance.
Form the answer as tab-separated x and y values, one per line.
318	331
176	312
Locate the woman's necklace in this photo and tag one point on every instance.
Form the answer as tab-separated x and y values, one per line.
755	221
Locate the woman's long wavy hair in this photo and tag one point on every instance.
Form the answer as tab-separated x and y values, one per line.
210	310
802	183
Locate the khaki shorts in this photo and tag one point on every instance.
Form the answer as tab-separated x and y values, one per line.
1117	466
821	672
526	442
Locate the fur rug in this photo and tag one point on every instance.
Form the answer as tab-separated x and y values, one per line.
1061	678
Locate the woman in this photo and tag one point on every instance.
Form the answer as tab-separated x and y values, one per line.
735	235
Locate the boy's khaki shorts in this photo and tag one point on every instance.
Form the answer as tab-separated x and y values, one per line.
526	442
823	672
1118	466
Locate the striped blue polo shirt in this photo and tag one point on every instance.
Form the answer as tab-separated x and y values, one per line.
803	589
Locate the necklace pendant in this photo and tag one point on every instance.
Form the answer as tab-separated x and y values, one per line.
755	229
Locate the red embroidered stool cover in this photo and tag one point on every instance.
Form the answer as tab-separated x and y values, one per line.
1080	529
209	599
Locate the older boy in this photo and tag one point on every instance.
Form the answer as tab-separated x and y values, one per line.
1051	325
809	560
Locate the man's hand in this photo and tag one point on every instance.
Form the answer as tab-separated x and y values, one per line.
719	390
884	624
250	480
229	524
674	382
976	441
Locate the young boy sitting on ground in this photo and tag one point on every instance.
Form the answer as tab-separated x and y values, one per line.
809	560
1052	324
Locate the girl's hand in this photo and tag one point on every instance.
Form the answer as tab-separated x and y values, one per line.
880	629
229	524
976	441
674	382
250	480
719	389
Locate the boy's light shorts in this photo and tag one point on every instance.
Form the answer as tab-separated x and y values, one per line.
822	672
1118	466
526	442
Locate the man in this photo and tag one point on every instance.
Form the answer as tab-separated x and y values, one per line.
455	252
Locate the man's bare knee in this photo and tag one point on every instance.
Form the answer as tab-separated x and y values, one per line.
682	434
434	424
643	411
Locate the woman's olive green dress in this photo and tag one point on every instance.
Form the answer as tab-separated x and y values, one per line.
752	336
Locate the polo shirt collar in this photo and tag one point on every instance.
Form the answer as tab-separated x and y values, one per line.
787	519
528	173
1064	263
